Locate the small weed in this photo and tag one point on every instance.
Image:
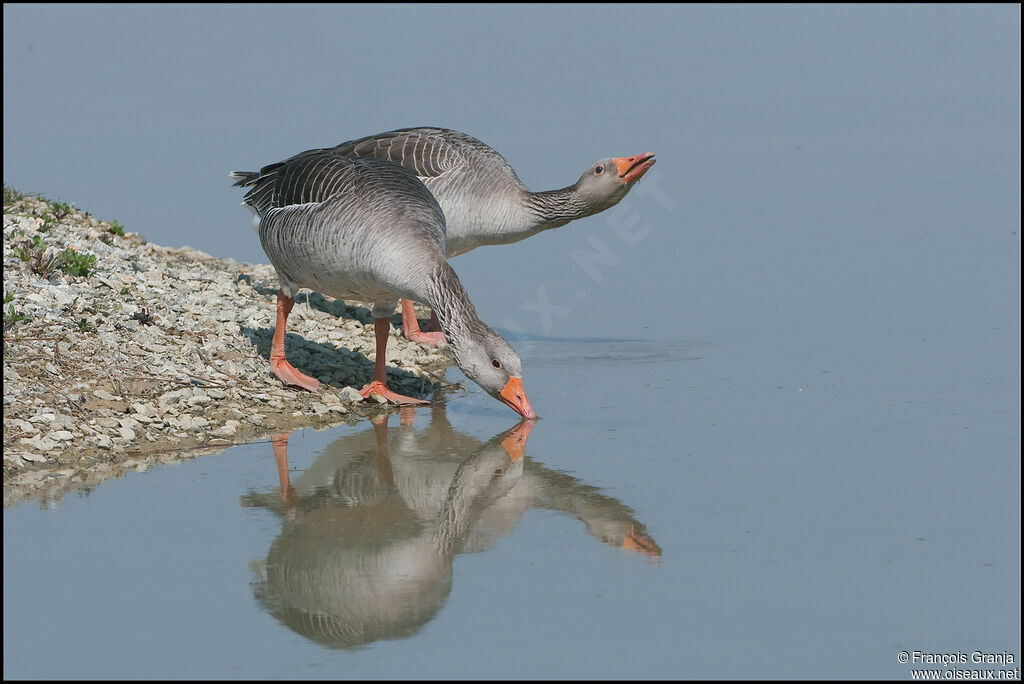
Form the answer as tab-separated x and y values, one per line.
29	249
11	195
23	253
83	326
11	316
8	297
75	264
33	252
116	228
124	290
59	209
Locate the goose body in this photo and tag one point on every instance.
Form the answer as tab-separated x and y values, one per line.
483	200
351	229
371	529
368	229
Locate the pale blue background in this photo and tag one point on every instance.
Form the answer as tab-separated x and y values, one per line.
818	415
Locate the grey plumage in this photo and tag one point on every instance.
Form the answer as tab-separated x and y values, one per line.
484	201
368	229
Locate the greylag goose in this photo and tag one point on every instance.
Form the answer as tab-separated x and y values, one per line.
483	200
371	529
368	229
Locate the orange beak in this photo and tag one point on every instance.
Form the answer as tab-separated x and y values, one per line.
515	442
638	541
632	168
514	395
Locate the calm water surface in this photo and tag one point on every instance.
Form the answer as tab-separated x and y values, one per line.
656	541
779	383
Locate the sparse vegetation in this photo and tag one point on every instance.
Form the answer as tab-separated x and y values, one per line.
11	195
26	250
42	262
11	316
75	263
116	228
60	210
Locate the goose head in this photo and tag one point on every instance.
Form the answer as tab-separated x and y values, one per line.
607	181
489	361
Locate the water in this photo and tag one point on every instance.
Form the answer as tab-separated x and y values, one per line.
789	358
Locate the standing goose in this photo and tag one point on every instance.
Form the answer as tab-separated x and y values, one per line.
483	200
368	229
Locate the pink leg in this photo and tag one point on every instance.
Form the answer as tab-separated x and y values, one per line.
379	386
411	327
385	475
407	416
284	371
280	445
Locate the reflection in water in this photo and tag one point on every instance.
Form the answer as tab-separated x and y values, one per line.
370	530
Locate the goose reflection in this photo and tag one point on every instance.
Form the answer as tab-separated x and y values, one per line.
370	530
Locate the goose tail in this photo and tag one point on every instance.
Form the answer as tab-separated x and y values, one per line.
244	178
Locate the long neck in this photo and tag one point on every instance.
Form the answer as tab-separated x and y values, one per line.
450	301
553	208
472	489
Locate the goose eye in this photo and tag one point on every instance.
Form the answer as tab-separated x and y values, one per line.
496	363
598	169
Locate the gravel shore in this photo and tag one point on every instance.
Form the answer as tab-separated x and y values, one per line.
151	354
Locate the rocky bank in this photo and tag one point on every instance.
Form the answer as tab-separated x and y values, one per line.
119	354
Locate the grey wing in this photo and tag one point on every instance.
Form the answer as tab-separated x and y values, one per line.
396	195
309	177
433	154
370	192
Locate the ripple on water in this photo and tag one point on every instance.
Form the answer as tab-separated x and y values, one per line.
600	351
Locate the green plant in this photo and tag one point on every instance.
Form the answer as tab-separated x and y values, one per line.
28	249
59	209
11	195
83	326
74	263
116	228
11	316
8	297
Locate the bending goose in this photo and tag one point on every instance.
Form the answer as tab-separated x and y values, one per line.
368	229
371	530
483	200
